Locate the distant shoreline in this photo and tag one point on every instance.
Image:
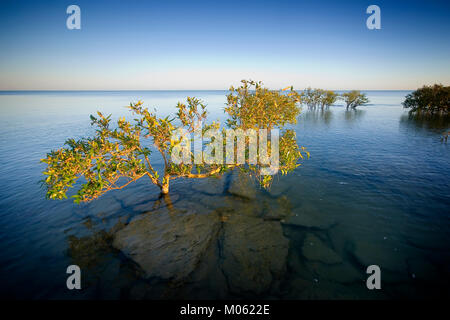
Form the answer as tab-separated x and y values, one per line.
169	90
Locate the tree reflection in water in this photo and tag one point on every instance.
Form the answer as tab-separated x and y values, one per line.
433	122
318	116
352	116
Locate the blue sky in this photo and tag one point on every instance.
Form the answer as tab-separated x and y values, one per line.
127	45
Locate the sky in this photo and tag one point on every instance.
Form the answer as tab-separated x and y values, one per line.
207	45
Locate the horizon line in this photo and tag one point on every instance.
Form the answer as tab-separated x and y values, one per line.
130	90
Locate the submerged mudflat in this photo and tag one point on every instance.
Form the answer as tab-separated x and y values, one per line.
375	191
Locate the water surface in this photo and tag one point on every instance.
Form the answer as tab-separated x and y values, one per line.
376	190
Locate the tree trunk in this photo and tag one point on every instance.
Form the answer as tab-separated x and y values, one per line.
165	185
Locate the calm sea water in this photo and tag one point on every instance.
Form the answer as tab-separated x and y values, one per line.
376	190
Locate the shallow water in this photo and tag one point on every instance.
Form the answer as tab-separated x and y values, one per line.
375	191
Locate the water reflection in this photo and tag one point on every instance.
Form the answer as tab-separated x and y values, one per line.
435	123
355	115
327	116
319	116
